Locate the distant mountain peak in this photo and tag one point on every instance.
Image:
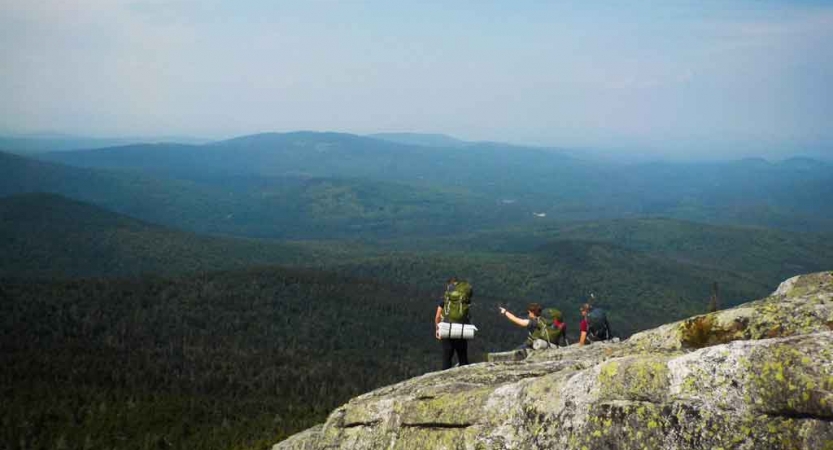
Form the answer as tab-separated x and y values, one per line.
803	162
276	137
423	139
755	160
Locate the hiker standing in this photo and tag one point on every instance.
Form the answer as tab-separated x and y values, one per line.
453	308
582	326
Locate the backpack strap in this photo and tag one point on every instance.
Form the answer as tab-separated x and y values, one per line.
532	333
542	325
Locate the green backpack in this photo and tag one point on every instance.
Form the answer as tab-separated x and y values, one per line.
457	303
546	330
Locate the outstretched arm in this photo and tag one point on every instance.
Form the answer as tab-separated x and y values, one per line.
513	318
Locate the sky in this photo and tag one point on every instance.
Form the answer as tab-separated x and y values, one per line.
687	79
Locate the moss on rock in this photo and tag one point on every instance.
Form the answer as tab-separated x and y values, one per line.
793	380
641	378
457	409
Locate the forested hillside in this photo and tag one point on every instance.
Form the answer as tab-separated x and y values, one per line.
638	290
47	236
214	361
175	203
655	271
297	207
763	254
647	271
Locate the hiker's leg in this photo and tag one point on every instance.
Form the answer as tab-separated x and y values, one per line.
448	351
463	352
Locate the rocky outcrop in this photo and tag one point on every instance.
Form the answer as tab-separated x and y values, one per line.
758	376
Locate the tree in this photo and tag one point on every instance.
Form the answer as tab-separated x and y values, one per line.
714	300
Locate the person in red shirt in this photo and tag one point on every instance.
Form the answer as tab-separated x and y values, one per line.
585	309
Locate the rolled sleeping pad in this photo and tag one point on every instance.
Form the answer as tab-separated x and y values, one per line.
456	330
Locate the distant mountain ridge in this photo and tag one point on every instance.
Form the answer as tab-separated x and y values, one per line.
526	180
51	142
322	154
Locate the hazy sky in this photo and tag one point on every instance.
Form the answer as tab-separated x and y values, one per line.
712	77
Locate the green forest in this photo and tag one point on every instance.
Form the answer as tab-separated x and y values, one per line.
219	360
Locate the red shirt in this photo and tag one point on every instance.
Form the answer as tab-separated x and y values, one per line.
583	325
560	325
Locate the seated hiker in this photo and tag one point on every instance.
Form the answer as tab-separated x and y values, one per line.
542	332
593	325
